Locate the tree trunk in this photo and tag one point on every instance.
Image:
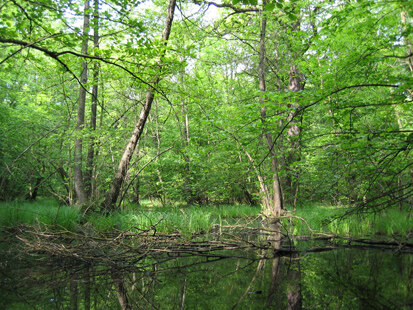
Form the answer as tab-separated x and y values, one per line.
73	293
136	192
272	205
294	133
275	239
183	296
293	279
161	192
78	175
87	288
32	195
112	196
91	151
120	291
189	196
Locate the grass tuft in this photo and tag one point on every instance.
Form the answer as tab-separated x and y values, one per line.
390	222
46	212
202	219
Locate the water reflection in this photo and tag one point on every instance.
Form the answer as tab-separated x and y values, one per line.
345	278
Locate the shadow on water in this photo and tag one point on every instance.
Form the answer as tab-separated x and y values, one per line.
275	273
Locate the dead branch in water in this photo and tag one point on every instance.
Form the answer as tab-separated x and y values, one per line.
128	249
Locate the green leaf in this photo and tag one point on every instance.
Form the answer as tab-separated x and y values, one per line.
269	6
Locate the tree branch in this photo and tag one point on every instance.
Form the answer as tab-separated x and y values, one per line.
301	109
227	5
56	55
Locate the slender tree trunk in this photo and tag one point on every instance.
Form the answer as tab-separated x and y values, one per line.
112	196
73	293
78	175
91	151
136	192
162	192
33	192
87	288
265	194
294	133
120	291
183	295
274	207
189	196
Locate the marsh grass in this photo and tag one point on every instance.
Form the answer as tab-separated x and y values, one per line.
187	220
328	219
202	219
46	212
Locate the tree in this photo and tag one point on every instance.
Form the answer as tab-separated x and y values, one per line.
78	174
276	95
113	194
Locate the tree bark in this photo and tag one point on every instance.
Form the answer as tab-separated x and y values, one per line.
272	205
294	133
78	175
91	152
112	196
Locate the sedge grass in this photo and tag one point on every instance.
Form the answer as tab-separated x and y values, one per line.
331	220
198	219
186	220
46	212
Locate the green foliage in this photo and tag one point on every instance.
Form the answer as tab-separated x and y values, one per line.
185	220
354	113
42	212
392	222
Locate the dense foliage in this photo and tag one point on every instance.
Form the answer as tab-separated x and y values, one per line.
337	101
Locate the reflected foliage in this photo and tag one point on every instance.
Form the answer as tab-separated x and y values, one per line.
345	278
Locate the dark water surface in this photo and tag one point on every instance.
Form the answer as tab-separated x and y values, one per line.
342	278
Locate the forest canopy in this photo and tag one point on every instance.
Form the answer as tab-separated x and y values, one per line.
194	102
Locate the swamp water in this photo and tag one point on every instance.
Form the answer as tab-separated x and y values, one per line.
315	275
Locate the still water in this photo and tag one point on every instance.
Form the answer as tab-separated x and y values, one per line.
341	278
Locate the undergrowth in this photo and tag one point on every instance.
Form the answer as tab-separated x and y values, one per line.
331	220
46	212
202	219
192	219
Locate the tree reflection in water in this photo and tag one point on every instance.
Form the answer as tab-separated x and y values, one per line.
266	277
